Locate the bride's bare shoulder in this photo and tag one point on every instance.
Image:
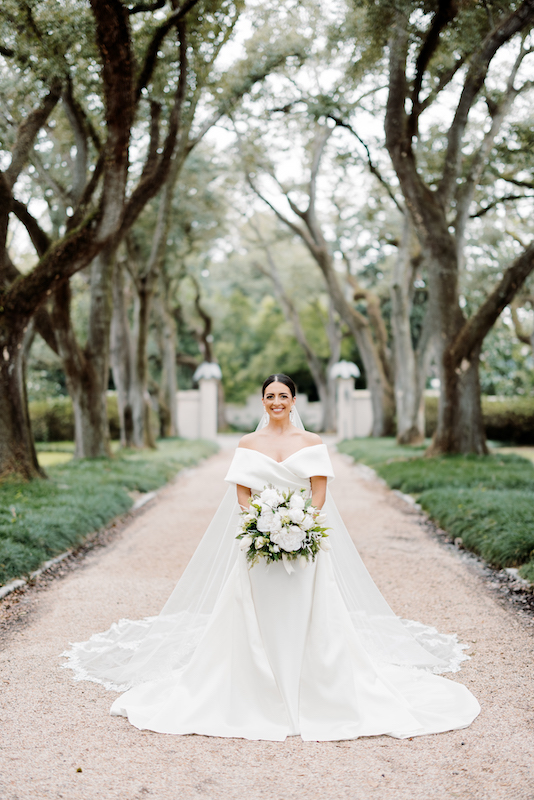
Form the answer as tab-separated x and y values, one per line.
249	441
308	439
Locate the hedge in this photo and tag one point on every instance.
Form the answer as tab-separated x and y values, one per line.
506	419
53	419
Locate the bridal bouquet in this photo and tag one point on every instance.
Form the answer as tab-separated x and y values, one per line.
282	526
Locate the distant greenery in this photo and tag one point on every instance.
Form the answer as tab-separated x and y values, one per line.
42	518
487	501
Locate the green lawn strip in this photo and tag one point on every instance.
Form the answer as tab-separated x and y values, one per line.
487	501
42	518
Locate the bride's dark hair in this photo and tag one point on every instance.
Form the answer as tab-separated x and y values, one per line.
285	379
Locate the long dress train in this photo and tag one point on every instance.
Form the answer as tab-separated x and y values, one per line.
262	654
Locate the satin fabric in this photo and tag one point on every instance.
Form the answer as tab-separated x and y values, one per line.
281	654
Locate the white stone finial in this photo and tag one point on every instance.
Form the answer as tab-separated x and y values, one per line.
345	369
206	371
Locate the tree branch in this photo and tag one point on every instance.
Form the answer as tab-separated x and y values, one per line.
373	169
322	136
156	171
476	328
446	11
506	198
520	332
38	236
28	130
77	122
138	8
474	80
151	54
443	82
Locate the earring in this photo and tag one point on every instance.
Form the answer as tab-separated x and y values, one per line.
292	417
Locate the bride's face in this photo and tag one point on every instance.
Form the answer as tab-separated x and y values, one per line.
278	401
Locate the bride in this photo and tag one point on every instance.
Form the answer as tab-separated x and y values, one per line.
265	652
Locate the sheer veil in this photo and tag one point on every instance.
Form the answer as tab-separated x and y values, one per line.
134	651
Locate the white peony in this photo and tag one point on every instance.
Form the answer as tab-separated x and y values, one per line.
289	539
295	515
271	498
297	501
268	521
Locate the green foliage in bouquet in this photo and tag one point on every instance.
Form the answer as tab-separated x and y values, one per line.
282	526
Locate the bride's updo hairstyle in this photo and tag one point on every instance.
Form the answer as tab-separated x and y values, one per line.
285	379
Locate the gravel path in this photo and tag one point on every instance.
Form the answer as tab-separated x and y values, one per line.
58	741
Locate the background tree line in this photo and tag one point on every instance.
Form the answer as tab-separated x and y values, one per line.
263	185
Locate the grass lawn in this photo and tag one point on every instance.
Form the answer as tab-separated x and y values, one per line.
42	518
487	501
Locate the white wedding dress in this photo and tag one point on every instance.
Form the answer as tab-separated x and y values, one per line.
262	654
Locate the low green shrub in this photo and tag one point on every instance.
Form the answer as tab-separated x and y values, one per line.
506	419
526	571
375	452
491	472
487	501
496	525
42	518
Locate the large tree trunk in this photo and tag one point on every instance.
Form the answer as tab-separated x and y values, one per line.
142	432
121	355
167	402
460	422
410	364
460	425
87	370
17	450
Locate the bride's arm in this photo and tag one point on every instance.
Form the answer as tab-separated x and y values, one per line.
318	490
243	496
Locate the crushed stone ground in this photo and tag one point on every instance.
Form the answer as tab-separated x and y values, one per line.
57	739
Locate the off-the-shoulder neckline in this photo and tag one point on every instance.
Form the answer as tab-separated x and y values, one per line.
308	447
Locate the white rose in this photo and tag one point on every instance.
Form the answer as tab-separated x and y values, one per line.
324	544
295	514
289	539
307	523
321	518
245	542
259	542
297	501
248	518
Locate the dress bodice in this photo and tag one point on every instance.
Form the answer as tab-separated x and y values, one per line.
256	470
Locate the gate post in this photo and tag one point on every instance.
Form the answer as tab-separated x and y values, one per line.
208	375
344	372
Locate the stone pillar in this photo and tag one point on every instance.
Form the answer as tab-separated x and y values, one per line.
208	375
344	372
